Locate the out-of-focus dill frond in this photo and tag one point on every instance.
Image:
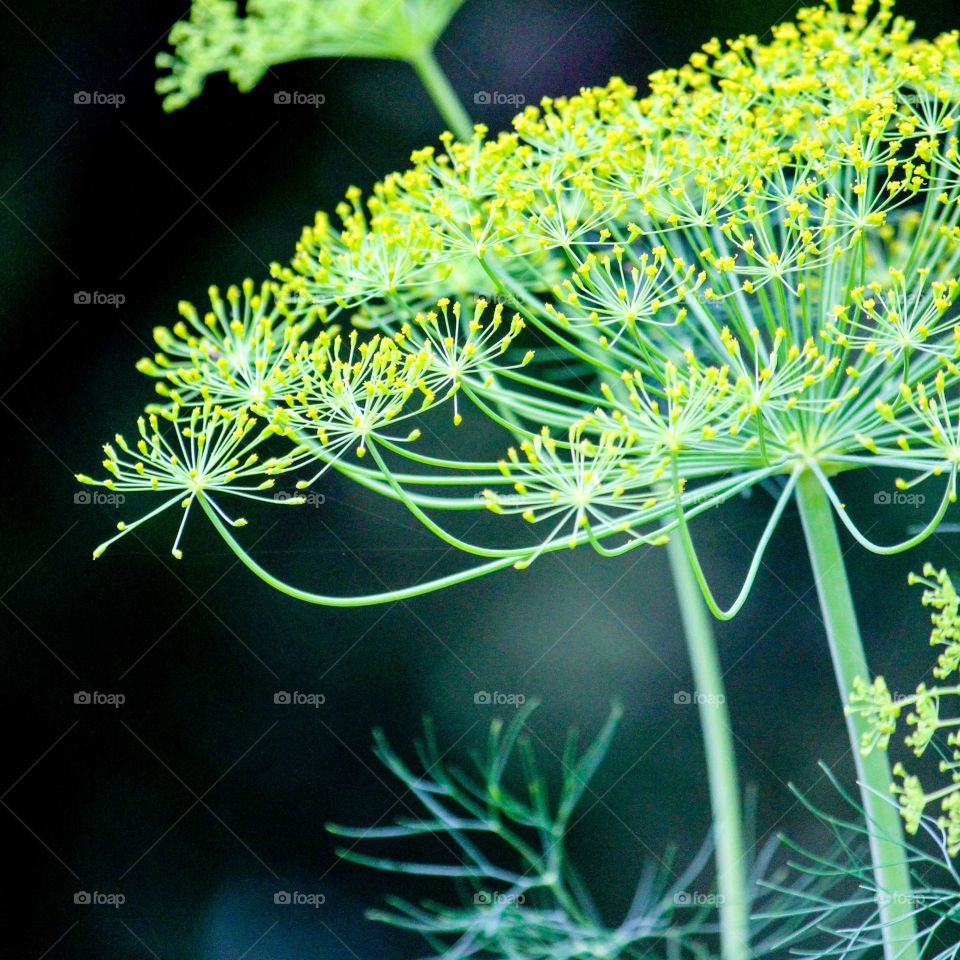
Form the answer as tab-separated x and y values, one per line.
835	905
519	895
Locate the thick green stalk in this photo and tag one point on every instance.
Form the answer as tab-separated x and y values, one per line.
443	95
890	870
732	883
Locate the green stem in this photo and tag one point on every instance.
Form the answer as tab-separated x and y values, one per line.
366	600
442	94
891	872
732	884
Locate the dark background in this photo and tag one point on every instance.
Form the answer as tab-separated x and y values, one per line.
200	797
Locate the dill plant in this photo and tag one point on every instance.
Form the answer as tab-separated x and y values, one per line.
745	276
524	898
217	38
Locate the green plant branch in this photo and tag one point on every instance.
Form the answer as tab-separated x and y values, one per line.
949	497
442	93
721	758
873	772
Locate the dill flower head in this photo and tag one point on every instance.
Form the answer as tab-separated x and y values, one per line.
454	347
748	274
217	38
204	451
235	355
575	486
346	392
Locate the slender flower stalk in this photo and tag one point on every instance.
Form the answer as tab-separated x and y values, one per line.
444	97
731	853
746	276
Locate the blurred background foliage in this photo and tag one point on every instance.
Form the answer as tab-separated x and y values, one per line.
201	797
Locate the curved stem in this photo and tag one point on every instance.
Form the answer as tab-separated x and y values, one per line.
754	569
949	497
732	884
433	527
442	94
873	772
326	600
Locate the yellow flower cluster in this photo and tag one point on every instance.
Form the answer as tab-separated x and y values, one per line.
927	717
748	271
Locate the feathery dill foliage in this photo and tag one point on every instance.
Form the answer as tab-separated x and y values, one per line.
928	720
749	272
505	825
835	903
521	895
216	38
